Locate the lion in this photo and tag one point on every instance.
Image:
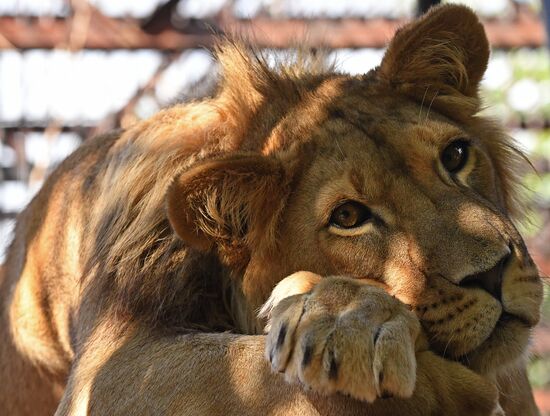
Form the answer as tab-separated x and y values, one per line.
366	222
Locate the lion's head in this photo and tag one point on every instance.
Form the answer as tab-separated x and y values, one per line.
390	176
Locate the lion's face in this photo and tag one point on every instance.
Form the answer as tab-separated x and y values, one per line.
413	201
390	176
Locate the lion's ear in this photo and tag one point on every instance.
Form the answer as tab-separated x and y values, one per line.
442	55
231	203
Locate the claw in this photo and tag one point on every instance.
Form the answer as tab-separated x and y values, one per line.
377	334
282	335
333	370
308	353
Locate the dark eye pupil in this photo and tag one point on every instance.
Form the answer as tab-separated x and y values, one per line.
455	155
350	214
345	216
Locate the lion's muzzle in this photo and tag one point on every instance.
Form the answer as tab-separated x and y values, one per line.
489	280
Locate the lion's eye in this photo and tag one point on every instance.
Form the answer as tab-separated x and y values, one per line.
455	156
350	214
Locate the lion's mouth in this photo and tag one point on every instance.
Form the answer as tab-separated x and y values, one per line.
515	286
491	281
506	317
497	306
505	344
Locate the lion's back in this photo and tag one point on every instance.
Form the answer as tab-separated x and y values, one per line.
36	277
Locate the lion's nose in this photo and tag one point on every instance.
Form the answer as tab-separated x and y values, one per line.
489	280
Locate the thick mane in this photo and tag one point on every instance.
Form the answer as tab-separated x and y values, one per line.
257	89
138	265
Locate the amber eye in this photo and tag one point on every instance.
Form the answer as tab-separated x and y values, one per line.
350	214
455	155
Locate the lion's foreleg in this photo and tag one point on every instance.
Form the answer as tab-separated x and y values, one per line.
225	374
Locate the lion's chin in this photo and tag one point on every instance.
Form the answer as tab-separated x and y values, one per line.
506	344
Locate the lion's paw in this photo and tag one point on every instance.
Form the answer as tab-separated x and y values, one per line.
347	337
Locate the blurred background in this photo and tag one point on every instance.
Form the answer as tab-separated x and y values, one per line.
70	69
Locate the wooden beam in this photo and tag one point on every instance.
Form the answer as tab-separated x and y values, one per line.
103	33
525	29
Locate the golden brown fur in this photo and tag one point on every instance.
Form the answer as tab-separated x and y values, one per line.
146	246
